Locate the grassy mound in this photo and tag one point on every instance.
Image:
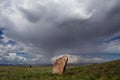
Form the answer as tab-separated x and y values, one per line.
104	71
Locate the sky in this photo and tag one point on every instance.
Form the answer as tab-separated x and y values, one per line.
39	31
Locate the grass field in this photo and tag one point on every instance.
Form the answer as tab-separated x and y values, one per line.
104	71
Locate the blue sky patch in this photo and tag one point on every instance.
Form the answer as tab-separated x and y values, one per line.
11	42
23	54
1	33
113	39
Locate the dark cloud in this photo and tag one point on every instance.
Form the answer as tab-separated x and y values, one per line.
30	15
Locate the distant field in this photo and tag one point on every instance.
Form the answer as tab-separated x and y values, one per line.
105	71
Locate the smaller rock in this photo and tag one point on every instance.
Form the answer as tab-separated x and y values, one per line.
30	66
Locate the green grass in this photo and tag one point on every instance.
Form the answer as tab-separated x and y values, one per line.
104	71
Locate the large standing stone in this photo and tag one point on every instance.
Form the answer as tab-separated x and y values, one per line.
59	65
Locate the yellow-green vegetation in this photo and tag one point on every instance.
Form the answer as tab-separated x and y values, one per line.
104	71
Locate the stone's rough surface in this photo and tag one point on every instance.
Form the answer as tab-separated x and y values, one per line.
59	65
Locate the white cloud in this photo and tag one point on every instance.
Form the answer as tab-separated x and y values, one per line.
112	47
37	59
6	47
79	59
13	57
93	60
23	59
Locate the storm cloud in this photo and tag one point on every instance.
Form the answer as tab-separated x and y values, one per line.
53	27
